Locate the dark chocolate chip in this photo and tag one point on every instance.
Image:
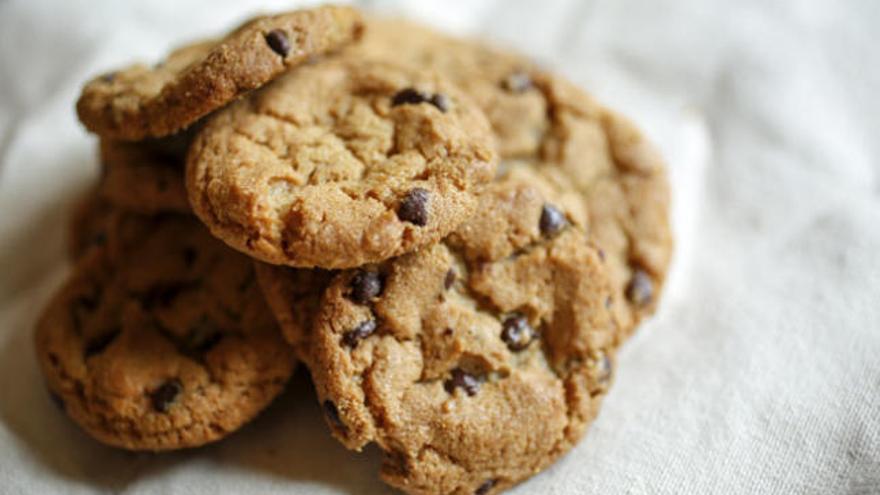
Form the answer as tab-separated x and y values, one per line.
640	289
517	333
365	285
81	308
464	380
99	343
189	256
450	278
485	487
278	42
360	332
57	400
409	96
164	294
98	239
332	414
108	77
414	207
517	82
203	337
552	220
441	101
165	395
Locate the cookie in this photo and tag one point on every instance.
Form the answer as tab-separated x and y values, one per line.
546	123
138	102
474	362
145	177
164	344
622	187
340	163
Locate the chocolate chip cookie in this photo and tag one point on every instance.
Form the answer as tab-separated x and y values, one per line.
340	163
137	102
550	125
145	177
164	343
474	362
623	188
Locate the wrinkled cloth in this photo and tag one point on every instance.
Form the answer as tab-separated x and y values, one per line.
760	372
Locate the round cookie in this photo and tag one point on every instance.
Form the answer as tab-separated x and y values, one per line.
474	362
548	124
621	184
164	344
340	163
145	177
138	102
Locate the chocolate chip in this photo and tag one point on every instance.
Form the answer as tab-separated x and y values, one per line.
189	256
441	101
640	289
333	415
485	487
409	96
81	308
203	337
108	77
552	220
365	285
278	42
164	396
450	279
98	239
464	380
412	96
99	343
517	82
517	333
601	254
414	207
57	400
360	332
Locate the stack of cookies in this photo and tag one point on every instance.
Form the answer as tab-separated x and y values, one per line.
452	240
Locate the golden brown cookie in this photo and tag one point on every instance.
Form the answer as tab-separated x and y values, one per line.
163	341
474	362
340	163
622	185
138	102
549	125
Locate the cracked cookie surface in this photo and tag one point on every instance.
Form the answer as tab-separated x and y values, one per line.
161	339
138	102
549	125
474	362
343	162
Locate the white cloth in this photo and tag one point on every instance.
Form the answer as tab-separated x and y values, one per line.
759	374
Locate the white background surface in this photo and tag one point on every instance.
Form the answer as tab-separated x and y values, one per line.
761	372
